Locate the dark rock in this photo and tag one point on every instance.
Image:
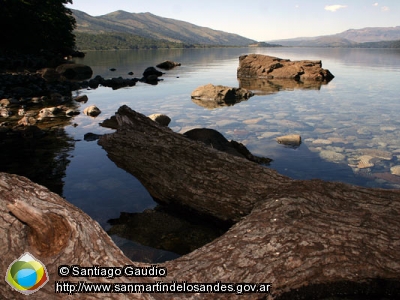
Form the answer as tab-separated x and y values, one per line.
90	137
130	73
82	98
161	119
263	66
75	71
168	65
79	54
152	71
151	79
216	140
113	69
94	84
110	123
49	74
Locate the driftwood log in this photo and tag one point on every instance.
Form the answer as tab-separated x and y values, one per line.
308	239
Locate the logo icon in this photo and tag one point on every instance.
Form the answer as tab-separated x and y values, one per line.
27	274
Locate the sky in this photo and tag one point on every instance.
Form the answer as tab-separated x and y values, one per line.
261	20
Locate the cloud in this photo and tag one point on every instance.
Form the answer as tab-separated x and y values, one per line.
385	8
335	7
376	4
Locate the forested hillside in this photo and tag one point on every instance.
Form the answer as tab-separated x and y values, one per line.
149	26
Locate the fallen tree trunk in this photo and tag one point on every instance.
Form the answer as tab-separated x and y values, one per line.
309	239
35	220
177	170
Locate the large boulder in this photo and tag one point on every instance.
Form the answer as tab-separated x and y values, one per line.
75	71
213	96
264	66
216	140
49	74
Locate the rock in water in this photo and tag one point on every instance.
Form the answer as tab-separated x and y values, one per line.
160	119
168	65
75	71
395	170
92	111
290	140
264	66
212	96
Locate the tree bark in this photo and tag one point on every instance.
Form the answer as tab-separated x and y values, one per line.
309	239
35	220
177	170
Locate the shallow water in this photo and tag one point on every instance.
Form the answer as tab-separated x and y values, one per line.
346	125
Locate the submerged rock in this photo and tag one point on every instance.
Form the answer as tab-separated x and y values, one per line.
212	96
395	170
365	162
332	156
264	66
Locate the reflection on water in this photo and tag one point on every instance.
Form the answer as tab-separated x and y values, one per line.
262	86
350	127
42	155
351	120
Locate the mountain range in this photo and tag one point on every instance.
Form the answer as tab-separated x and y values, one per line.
349	38
153	27
124	30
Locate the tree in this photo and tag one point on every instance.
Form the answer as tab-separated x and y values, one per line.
31	26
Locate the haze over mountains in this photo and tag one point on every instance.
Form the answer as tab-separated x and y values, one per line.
348	38
146	26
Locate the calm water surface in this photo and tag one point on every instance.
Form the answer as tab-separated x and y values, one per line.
346	125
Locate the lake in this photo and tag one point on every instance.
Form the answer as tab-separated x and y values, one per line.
350	127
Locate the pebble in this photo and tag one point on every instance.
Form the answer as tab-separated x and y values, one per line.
332	156
322	141
395	170
365	162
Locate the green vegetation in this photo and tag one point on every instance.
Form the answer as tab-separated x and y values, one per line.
383	44
33	26
154	27
123	41
264	44
118	41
